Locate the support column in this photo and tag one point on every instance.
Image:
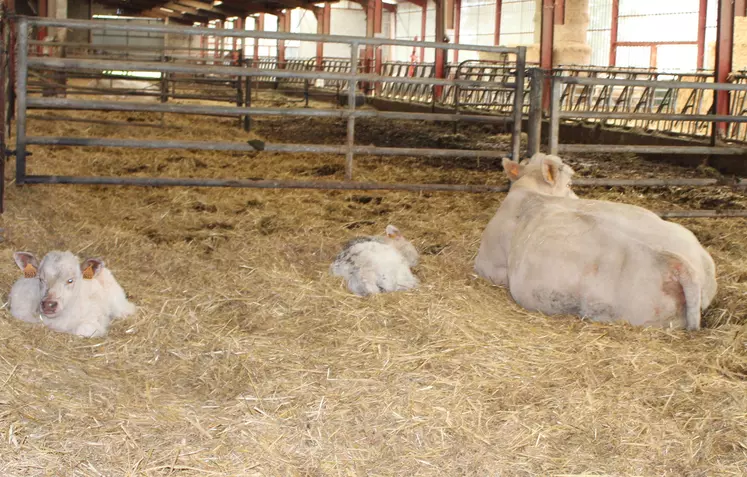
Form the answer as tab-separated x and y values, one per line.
724	44
378	22
372	56
571	28
457	23
323	20
284	26
547	18
42	31
498	16
259	25
423	20
613	32
702	15
440	66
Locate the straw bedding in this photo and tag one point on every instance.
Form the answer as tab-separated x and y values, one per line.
247	358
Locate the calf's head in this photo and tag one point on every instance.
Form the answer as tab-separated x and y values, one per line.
542	173
402	245
60	276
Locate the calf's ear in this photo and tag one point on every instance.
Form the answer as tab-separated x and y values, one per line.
91	267
550	172
393	232
26	262
513	169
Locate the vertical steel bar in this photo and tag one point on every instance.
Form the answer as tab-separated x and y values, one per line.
351	107
724	48
518	102
498	14
534	132
247	102
22	48
555	116
702	16
613	31
547	41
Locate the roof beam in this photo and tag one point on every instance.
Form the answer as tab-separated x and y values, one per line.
225	10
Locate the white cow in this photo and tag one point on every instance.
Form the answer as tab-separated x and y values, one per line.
67	296
373	265
601	260
127	86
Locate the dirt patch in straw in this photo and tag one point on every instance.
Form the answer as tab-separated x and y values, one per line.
247	358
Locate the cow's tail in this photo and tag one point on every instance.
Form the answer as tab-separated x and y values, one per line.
684	273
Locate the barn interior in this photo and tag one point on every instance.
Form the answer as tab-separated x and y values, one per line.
217	155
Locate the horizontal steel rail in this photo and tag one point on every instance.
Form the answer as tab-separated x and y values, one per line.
652	116
83	105
658	84
245	147
611	148
117	26
101	65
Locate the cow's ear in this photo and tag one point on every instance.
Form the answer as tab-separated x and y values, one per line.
91	267
550	172
513	169
27	263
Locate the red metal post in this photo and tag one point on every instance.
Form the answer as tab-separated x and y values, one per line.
218	40
613	31
323	18
724	47
369	49
740	8
702	15
652	57
422	29
546	46
559	12
440	66
378	24
284	25
259	25
43	12
498	13
457	22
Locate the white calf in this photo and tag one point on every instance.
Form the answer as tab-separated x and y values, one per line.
372	265
67	296
606	261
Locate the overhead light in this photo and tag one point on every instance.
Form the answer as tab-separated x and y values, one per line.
390	2
168	10
217	2
232	19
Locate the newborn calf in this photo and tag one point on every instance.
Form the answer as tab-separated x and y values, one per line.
67	296
372	265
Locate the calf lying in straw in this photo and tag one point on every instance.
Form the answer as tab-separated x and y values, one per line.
67	296
372	265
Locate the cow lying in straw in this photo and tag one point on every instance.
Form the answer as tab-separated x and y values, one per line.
67	296
373	265
605	261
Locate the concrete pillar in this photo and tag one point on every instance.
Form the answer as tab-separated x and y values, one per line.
739	58
57	9
571	46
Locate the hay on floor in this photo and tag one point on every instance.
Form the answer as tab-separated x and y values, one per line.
246	358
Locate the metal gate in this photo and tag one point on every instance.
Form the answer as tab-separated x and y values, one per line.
28	61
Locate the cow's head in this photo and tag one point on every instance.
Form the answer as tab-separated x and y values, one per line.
61	275
542	173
